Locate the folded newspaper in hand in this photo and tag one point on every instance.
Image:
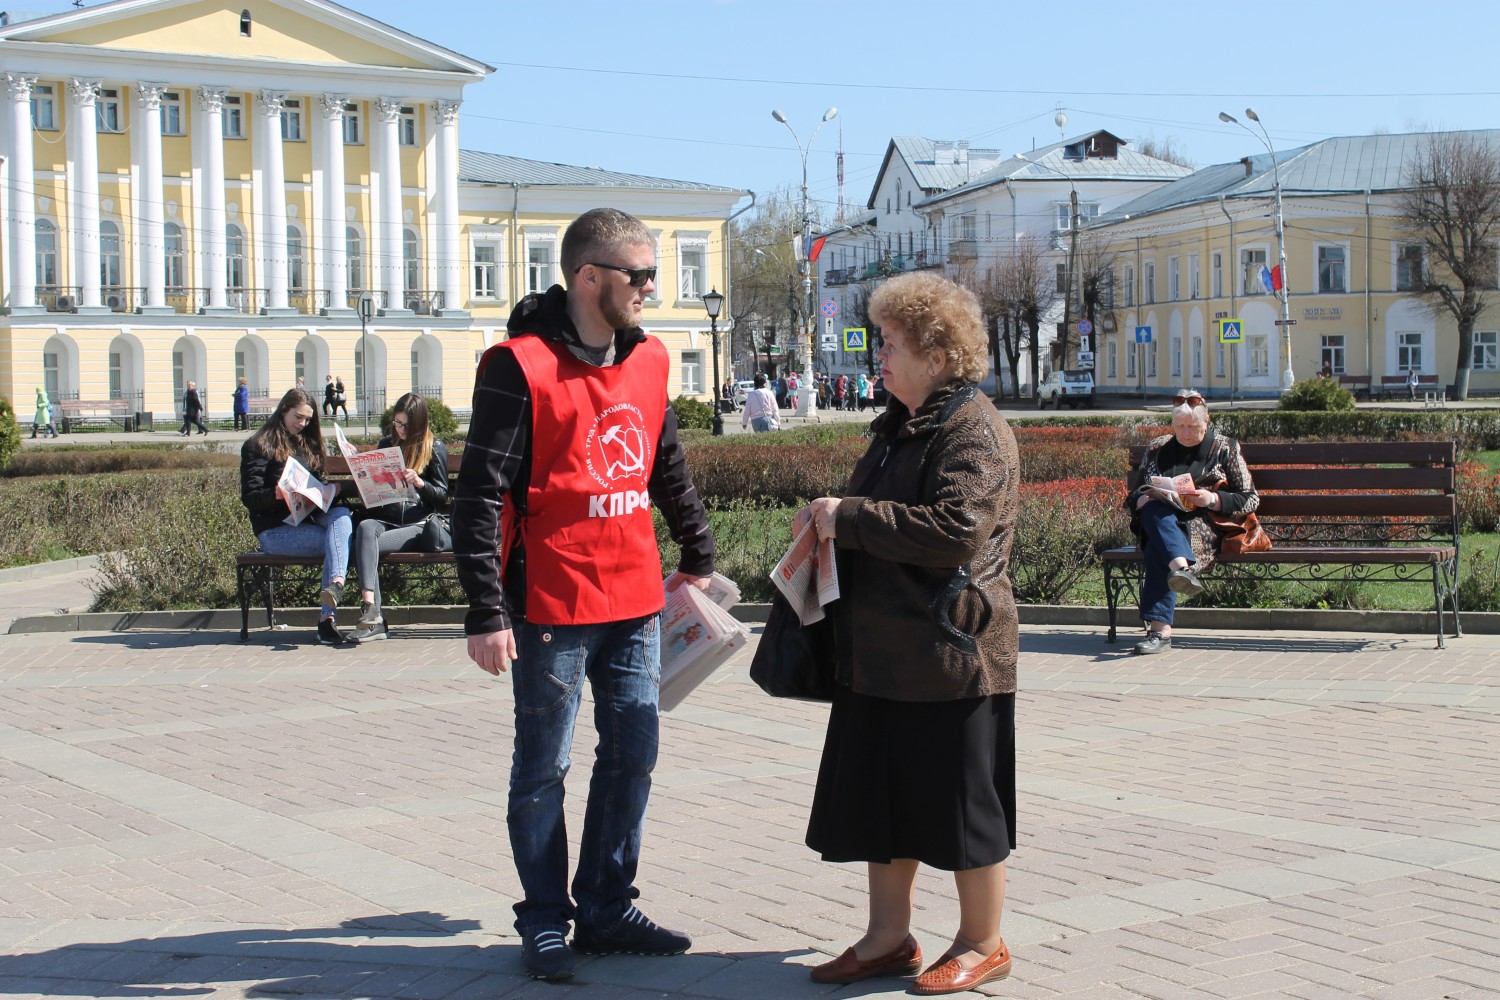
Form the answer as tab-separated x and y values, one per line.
807	575
379	475
698	635
303	491
1168	489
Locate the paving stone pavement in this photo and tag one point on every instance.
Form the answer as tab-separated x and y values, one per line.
1248	816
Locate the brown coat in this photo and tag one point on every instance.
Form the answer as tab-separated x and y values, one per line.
924	537
1223	467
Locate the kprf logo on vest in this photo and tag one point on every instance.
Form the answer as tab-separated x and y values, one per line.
619	455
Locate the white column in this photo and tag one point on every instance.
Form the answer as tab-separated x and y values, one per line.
332	252
22	193
150	207
83	142
211	241
449	264
270	231
387	114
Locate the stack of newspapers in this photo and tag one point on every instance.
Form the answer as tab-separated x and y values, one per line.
698	634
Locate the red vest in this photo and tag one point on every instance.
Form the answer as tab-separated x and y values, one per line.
590	546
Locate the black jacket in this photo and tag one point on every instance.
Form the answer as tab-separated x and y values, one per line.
497	469
191	403
259	474
434	491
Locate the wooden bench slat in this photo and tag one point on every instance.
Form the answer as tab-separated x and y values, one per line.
1302	479
1421	505
1317	554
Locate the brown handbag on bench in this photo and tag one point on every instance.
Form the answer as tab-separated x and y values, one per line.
1238	535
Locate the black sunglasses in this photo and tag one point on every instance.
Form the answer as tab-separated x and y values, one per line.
638	275
1193	400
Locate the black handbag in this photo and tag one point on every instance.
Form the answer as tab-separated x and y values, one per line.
436	534
794	660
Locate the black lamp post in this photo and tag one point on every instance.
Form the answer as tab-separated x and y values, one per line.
713	302
366	312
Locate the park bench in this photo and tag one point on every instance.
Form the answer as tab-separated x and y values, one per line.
1395	385
1362	512
81	412
261	406
259	573
1356	384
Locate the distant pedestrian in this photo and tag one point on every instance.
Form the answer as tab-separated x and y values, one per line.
793	388
862	390
1412	381
760	408
43	414
192	411
781	392
329	394
340	399
839	388
242	405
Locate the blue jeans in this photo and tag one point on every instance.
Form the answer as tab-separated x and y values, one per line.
325	533
622	661
1165	539
760	424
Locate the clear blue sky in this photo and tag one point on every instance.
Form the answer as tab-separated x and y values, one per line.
684	88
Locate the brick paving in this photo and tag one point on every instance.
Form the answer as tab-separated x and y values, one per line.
1299	817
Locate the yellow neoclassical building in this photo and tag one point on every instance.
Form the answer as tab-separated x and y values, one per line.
203	191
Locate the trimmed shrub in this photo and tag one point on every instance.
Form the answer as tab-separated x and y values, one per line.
693	413
1078	452
1474	430
1478	496
750	538
1316	394
1479	587
85	460
1061	529
10	433
440	420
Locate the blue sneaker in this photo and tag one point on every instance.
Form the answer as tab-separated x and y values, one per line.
546	955
635	934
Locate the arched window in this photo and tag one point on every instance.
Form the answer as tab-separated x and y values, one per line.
234	257
245	23
111	264
354	249
46	253
411	257
176	273
296	265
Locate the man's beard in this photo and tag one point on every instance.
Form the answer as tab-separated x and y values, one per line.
620	316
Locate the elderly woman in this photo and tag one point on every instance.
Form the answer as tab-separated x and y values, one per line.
919	761
1180	545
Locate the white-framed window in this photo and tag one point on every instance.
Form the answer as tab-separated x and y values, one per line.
1151	360
539	265
1127	286
692	373
1259	348
1486	351
354	258
1219	352
1131	350
1217	264
175	256
406	128
692	267
1176	357
46	253
411	260
1331	353
234	256
354	125
1195	287
1252	260
486	270
1148	284
51	373
296	259
1197	354
291	120
1174	283
117	374
111	260
44	106
1111	358
234	116
1411	267
1087	212
1409	351
171	113
107	114
1333	271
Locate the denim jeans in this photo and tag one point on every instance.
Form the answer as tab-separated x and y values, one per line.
325	534
372	538
622	661
1165	539
760	424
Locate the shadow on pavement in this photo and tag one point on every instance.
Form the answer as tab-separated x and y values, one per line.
1092	644
140	639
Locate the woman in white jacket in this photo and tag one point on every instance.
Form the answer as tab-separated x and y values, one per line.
760	408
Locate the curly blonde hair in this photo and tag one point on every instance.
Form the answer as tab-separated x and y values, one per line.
940	316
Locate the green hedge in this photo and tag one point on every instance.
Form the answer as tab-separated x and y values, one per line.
10	433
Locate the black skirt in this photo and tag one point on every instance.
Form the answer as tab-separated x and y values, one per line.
930	781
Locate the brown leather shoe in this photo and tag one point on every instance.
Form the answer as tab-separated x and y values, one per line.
904	960
947	976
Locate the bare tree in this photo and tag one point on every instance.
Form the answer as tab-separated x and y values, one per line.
764	264
1450	204
859	315
1014	292
1165	148
1094	270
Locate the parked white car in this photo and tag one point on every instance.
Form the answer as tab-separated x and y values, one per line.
741	390
1066	388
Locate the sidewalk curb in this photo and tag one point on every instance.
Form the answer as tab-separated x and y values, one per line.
58	567
1417	623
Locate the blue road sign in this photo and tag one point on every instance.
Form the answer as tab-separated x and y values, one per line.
1143	335
854	338
1231	331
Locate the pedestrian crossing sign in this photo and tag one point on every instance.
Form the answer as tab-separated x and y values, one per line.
1231	331
854	338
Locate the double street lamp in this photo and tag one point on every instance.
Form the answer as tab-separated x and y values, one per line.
713	302
1287	378
806	400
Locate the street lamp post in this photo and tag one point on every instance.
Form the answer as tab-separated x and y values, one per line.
806	400
366	310
713	302
1287	378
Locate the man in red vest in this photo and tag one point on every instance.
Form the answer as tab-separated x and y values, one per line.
570	443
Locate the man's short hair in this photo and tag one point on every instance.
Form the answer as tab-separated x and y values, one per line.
598	234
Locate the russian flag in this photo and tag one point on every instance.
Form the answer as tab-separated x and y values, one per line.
815	247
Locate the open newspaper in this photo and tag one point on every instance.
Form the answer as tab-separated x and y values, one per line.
698	635
379	475
1168	489
807	575
303	491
